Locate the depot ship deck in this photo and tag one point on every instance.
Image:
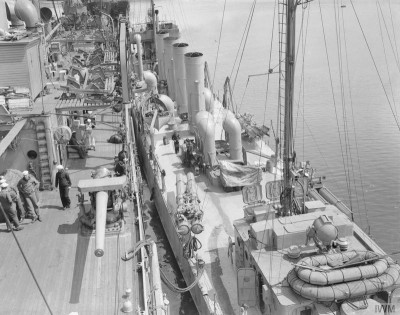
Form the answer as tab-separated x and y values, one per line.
71	277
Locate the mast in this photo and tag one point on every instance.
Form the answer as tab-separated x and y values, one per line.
288	157
153	16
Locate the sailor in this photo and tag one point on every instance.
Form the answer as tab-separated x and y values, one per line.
9	207
20	208
76	145
175	138
89	139
120	167
27	187
63	181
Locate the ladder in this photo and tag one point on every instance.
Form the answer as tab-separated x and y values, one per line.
45	172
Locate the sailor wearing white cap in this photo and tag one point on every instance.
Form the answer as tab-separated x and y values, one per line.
63	181
89	139
27	187
9	207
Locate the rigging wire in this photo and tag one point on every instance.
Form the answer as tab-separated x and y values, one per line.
384	51
355	135
241	40
331	83
394	35
344	147
394	49
219	42
375	65
244	45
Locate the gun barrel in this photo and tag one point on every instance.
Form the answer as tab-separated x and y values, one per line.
101	213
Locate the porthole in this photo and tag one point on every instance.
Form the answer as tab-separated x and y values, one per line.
32	154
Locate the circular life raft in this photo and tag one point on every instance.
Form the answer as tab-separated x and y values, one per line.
345	282
332	276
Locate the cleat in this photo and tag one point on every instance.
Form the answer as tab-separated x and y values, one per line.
19	228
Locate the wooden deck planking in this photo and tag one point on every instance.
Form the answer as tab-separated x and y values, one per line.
56	253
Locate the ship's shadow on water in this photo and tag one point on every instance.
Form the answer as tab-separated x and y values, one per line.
179	303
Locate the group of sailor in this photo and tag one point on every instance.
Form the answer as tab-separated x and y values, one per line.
10	200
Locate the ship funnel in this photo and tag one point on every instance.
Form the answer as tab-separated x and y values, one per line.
160	53
101	212
26	11
194	64
209	99
11	16
169	65
232	126
138	40
205	125
178	52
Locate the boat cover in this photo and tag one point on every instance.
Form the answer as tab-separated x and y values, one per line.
234	175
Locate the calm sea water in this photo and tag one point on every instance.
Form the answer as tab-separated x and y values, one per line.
346	130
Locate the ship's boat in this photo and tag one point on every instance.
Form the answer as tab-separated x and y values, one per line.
348	288
322	276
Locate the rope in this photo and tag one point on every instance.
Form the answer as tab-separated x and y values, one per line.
176	289
191	246
26	260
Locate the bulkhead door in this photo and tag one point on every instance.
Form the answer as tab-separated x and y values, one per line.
246	284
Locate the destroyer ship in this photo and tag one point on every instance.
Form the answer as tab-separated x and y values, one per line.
253	229
64	104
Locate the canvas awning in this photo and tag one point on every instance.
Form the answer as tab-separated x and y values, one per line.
11	135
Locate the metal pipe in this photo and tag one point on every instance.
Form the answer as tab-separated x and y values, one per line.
138	40
180	189
101	213
232	126
26	11
156	281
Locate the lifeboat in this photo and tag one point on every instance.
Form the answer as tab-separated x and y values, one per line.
344	286
329	276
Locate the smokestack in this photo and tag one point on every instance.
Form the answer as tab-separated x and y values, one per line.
26	11
160	53
138	40
194	64
178	52
101	213
168	64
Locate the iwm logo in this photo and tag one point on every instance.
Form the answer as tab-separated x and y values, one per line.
385	309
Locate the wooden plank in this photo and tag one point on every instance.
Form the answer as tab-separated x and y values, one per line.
101	184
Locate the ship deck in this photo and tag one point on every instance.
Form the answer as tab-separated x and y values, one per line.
220	208
63	261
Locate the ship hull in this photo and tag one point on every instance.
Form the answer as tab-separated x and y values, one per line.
187	268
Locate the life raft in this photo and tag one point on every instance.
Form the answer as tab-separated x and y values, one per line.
331	276
344	285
